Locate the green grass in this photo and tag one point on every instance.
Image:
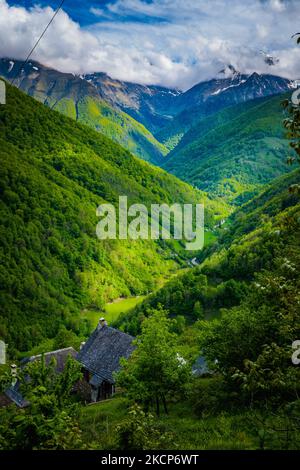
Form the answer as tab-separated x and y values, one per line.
99	420
223	431
112	310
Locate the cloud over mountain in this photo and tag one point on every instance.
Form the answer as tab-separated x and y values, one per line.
175	43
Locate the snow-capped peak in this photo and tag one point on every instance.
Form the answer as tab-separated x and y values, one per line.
220	90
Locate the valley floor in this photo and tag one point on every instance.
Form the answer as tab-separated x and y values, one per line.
113	310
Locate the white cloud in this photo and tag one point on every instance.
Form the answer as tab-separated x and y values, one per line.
183	41
277	5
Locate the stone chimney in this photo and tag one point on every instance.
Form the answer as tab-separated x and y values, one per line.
102	323
14	373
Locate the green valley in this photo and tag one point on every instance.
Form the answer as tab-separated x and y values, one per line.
256	239
55	173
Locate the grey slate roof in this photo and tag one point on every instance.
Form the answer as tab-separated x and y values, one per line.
102	352
60	355
16	397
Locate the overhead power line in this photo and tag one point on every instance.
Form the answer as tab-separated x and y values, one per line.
38	41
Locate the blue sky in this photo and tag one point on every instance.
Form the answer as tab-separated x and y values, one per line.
78	10
174	43
82	11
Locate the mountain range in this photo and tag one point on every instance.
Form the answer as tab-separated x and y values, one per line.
153	106
207	98
149	105
192	134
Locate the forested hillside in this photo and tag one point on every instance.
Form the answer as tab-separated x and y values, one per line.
261	239
54	175
235	151
77	98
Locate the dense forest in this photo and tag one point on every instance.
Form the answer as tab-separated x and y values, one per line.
257	238
234	151
54	175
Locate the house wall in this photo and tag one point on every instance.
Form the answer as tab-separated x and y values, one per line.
83	389
93	394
